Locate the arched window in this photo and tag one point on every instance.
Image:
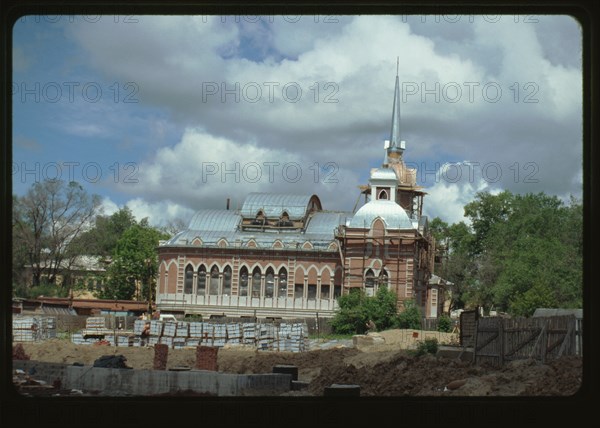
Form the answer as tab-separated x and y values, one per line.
284	220
259	219
214	281
227	281
189	279
256	282
243	288
369	279
383	194
383	278
369	283
201	288
282	286
269	282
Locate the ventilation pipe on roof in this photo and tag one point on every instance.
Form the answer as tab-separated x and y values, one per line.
228	204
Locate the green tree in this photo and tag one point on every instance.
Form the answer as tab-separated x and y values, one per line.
102	239
356	309
410	317
457	263
527	251
134	263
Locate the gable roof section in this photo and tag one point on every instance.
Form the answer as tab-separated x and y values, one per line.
274	204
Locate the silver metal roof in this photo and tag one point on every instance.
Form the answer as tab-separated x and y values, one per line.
390	212
325	222
274	204
384	174
216	220
213	225
264	239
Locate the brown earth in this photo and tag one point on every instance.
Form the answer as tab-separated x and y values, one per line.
383	370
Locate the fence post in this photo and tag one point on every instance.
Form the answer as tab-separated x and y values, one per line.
476	333
544	344
501	339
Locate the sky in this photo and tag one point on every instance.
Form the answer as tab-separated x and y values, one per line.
171	114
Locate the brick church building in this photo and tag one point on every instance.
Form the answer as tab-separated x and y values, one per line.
283	255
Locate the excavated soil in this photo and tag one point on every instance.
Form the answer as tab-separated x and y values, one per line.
383	370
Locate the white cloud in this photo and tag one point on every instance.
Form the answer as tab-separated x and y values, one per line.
108	207
158	213
172	59
202	171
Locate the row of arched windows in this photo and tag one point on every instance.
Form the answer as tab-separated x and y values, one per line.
215	282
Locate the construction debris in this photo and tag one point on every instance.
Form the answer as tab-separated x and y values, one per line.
19	352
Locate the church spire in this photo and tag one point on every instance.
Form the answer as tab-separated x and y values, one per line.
395	145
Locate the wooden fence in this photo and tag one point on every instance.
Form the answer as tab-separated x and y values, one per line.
499	340
468	327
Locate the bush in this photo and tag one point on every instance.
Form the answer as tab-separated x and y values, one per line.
356	309
427	346
410	317
445	324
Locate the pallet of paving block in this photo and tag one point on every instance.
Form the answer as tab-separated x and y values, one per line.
266	331
138	326
220	342
192	342
95	323
28	323
166	340
156	328
77	338
207	331
123	340
24	336
206	341
282	345
179	342
264	344
195	329
234	330
249	330
219	331
169	329
183	329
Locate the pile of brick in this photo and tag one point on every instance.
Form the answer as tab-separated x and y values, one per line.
206	357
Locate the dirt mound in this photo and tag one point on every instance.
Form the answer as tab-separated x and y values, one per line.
384	370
